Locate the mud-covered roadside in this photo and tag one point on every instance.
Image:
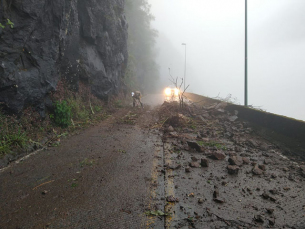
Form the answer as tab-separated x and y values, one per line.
220	174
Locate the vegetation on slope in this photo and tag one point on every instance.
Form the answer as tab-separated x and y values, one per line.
142	71
70	112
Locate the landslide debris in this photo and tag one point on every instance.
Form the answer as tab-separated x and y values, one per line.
243	180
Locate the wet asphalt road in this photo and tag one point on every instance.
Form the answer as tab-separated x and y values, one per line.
109	175
102	178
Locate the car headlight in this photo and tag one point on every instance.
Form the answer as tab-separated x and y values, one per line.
167	91
176	91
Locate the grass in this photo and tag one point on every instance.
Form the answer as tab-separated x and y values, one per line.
12	136
118	103
20	133
212	144
87	162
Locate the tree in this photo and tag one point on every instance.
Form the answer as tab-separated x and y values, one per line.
142	70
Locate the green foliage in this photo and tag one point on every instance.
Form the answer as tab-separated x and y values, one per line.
156	213
142	71
118	103
78	109
11	136
62	114
212	144
98	108
9	23
86	162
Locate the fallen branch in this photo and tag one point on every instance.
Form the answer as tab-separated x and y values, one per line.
43	184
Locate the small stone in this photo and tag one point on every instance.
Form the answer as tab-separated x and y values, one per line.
249	190
291	177
236	160
272	198
302	170
246	160
271	222
194	145
44	192
231	154
216	193
265	195
265	154
217	156
259	218
262	167
204	162
194	158
233	169
173	134
200	200
170	129
264	147
174	166
285	169
257	171
194	164
252	143
187	169
267	161
238	149
223	183
273	176
270	210
274	191
219	200
172	199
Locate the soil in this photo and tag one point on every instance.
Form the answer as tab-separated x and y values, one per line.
196	166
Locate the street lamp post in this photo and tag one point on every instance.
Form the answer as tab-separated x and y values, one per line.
184	65
246	55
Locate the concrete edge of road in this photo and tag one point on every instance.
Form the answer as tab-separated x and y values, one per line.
286	128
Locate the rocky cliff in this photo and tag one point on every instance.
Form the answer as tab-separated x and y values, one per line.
74	40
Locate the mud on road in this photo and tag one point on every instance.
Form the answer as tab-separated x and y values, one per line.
223	175
157	168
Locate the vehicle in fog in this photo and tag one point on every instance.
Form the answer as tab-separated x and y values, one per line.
171	94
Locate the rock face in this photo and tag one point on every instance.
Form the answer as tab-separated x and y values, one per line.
72	40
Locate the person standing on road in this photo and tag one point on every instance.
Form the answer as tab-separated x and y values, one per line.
136	98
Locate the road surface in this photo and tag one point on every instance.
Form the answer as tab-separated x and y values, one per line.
130	169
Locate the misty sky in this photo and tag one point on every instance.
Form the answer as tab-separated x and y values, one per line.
214	33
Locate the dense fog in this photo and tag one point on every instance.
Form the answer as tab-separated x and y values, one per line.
214	35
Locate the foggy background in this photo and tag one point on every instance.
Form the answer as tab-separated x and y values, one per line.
214	34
